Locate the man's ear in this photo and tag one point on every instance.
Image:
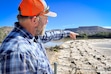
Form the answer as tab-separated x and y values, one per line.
34	19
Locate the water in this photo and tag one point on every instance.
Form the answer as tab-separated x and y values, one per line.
97	44
56	43
103	45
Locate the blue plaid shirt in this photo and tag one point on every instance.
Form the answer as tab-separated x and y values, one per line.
21	53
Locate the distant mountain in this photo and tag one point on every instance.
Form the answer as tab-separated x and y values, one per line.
4	31
90	30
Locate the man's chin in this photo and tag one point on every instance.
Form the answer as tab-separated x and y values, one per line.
41	33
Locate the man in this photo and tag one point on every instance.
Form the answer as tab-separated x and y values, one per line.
22	51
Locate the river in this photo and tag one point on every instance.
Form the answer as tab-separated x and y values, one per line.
56	43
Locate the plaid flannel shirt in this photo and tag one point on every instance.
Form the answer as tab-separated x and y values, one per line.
21	53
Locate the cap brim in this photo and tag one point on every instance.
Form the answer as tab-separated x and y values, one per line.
51	14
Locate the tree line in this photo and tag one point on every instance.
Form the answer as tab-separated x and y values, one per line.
97	35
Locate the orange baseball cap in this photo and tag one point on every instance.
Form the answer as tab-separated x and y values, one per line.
35	7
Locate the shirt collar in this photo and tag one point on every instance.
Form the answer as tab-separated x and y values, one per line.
23	31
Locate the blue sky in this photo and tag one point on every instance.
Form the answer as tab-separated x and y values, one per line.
71	13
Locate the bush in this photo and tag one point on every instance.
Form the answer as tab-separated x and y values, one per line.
2	35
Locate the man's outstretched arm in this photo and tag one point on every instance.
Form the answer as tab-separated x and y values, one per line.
57	35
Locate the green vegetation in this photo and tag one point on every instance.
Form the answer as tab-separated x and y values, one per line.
55	48
3	34
103	35
98	35
85	36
